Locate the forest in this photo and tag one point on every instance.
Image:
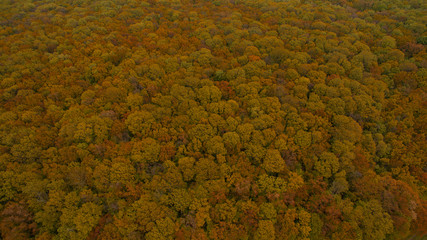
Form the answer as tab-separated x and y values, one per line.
213	119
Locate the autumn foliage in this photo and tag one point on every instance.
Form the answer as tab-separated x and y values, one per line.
224	119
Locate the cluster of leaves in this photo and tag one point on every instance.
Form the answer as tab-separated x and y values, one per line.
240	119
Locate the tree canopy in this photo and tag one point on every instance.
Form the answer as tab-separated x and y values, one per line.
223	119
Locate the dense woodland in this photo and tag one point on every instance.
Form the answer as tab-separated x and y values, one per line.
225	119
